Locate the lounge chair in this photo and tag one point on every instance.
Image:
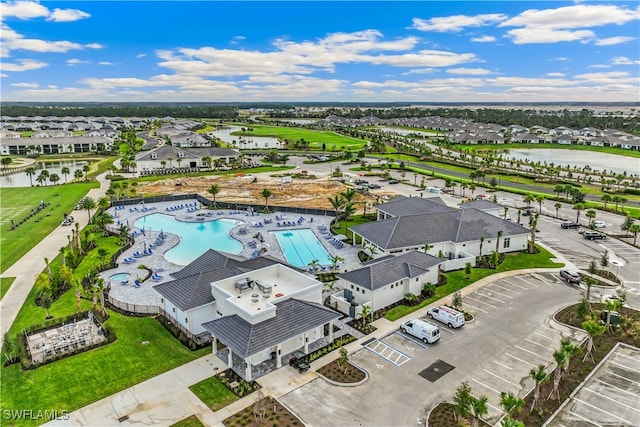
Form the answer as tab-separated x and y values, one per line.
136	283
124	282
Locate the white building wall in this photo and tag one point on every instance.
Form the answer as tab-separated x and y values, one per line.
200	315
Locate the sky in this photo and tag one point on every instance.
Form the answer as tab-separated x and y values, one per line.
317	51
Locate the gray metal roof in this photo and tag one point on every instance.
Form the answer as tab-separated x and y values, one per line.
401	206
391	269
483	205
293	317
165	151
187	293
461	225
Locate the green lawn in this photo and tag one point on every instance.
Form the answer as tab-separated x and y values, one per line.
456	280
16	203
191	421
5	284
213	393
331	140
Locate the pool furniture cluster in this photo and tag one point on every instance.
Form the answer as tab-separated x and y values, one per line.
192	209
156	277
146	252
338	244
119	208
142	209
182	206
129	260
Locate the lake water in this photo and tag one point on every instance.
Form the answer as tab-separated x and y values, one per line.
597	161
21	179
245	142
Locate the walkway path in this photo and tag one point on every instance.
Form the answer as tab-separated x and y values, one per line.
27	267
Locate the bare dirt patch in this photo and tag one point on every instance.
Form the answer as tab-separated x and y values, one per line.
308	193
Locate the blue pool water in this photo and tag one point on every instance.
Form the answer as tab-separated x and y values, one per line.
300	247
195	237
119	276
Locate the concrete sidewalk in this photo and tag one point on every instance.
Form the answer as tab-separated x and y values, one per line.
29	266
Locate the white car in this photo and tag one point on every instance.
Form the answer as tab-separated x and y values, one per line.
599	224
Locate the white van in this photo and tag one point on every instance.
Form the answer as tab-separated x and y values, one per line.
426	331
433	190
450	317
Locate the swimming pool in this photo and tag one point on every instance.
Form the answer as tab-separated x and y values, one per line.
119	276
195	237
300	247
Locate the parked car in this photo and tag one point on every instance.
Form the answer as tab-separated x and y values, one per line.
599	224
299	361
570	276
450	317
426	331
361	181
569	225
394	181
374	186
594	235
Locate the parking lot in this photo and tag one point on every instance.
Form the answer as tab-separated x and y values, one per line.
610	396
511	333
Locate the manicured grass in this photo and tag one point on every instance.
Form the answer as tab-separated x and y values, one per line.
457	281
16	203
500	147
331	140
191	421
213	393
5	284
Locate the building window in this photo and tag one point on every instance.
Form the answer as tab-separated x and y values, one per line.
173	309
162	300
351	286
506	242
363	291
186	320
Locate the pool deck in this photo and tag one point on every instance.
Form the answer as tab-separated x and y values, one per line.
247	231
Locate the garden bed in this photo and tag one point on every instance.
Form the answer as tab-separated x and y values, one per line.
236	384
265	412
343	375
443	415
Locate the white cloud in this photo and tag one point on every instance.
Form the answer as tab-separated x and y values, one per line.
24	10
23	65
569	23
456	23
141	55
483	39
25	85
419	71
555	74
67	15
11	40
610	41
469	71
106	63
75	61
623	60
599	66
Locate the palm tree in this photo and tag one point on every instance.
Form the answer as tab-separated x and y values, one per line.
266	193
335	259
65	171
528	199
313	264
86	170
170	161
481	243
634	229
605	199
63	255
87	203
426	247
558	205
540	376
30	171
462	401
43	176
6	161
479	409
578	207
366	313
49	275
534	225
214	190
511	403
540	201
208	161
591	214
348	211
77	174
500	233
561	358
101	219
593	329
571	350
337	202
348	195
77	286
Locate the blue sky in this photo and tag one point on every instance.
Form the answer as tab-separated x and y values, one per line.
419	51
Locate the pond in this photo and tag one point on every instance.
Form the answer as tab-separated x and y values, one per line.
245	142
21	179
596	160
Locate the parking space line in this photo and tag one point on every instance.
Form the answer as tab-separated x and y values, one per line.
445	328
526	281
520	360
585	419
529	351
628	357
500	378
516	285
480	301
504	366
542	335
506	289
533	342
624	378
499	293
616	401
624	366
613	386
542	279
486	386
601	410
487	296
476	308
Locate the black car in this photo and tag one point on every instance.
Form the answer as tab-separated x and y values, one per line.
394	181
570	276
374	186
569	225
299	361
593	235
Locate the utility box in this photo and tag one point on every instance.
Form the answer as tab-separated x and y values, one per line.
614	318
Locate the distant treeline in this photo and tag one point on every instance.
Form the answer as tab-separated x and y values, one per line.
226	112
524	117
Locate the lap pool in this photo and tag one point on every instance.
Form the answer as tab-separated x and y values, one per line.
300	247
195	237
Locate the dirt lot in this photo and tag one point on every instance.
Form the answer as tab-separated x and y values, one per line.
241	189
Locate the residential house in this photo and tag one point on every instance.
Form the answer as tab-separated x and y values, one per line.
168	156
